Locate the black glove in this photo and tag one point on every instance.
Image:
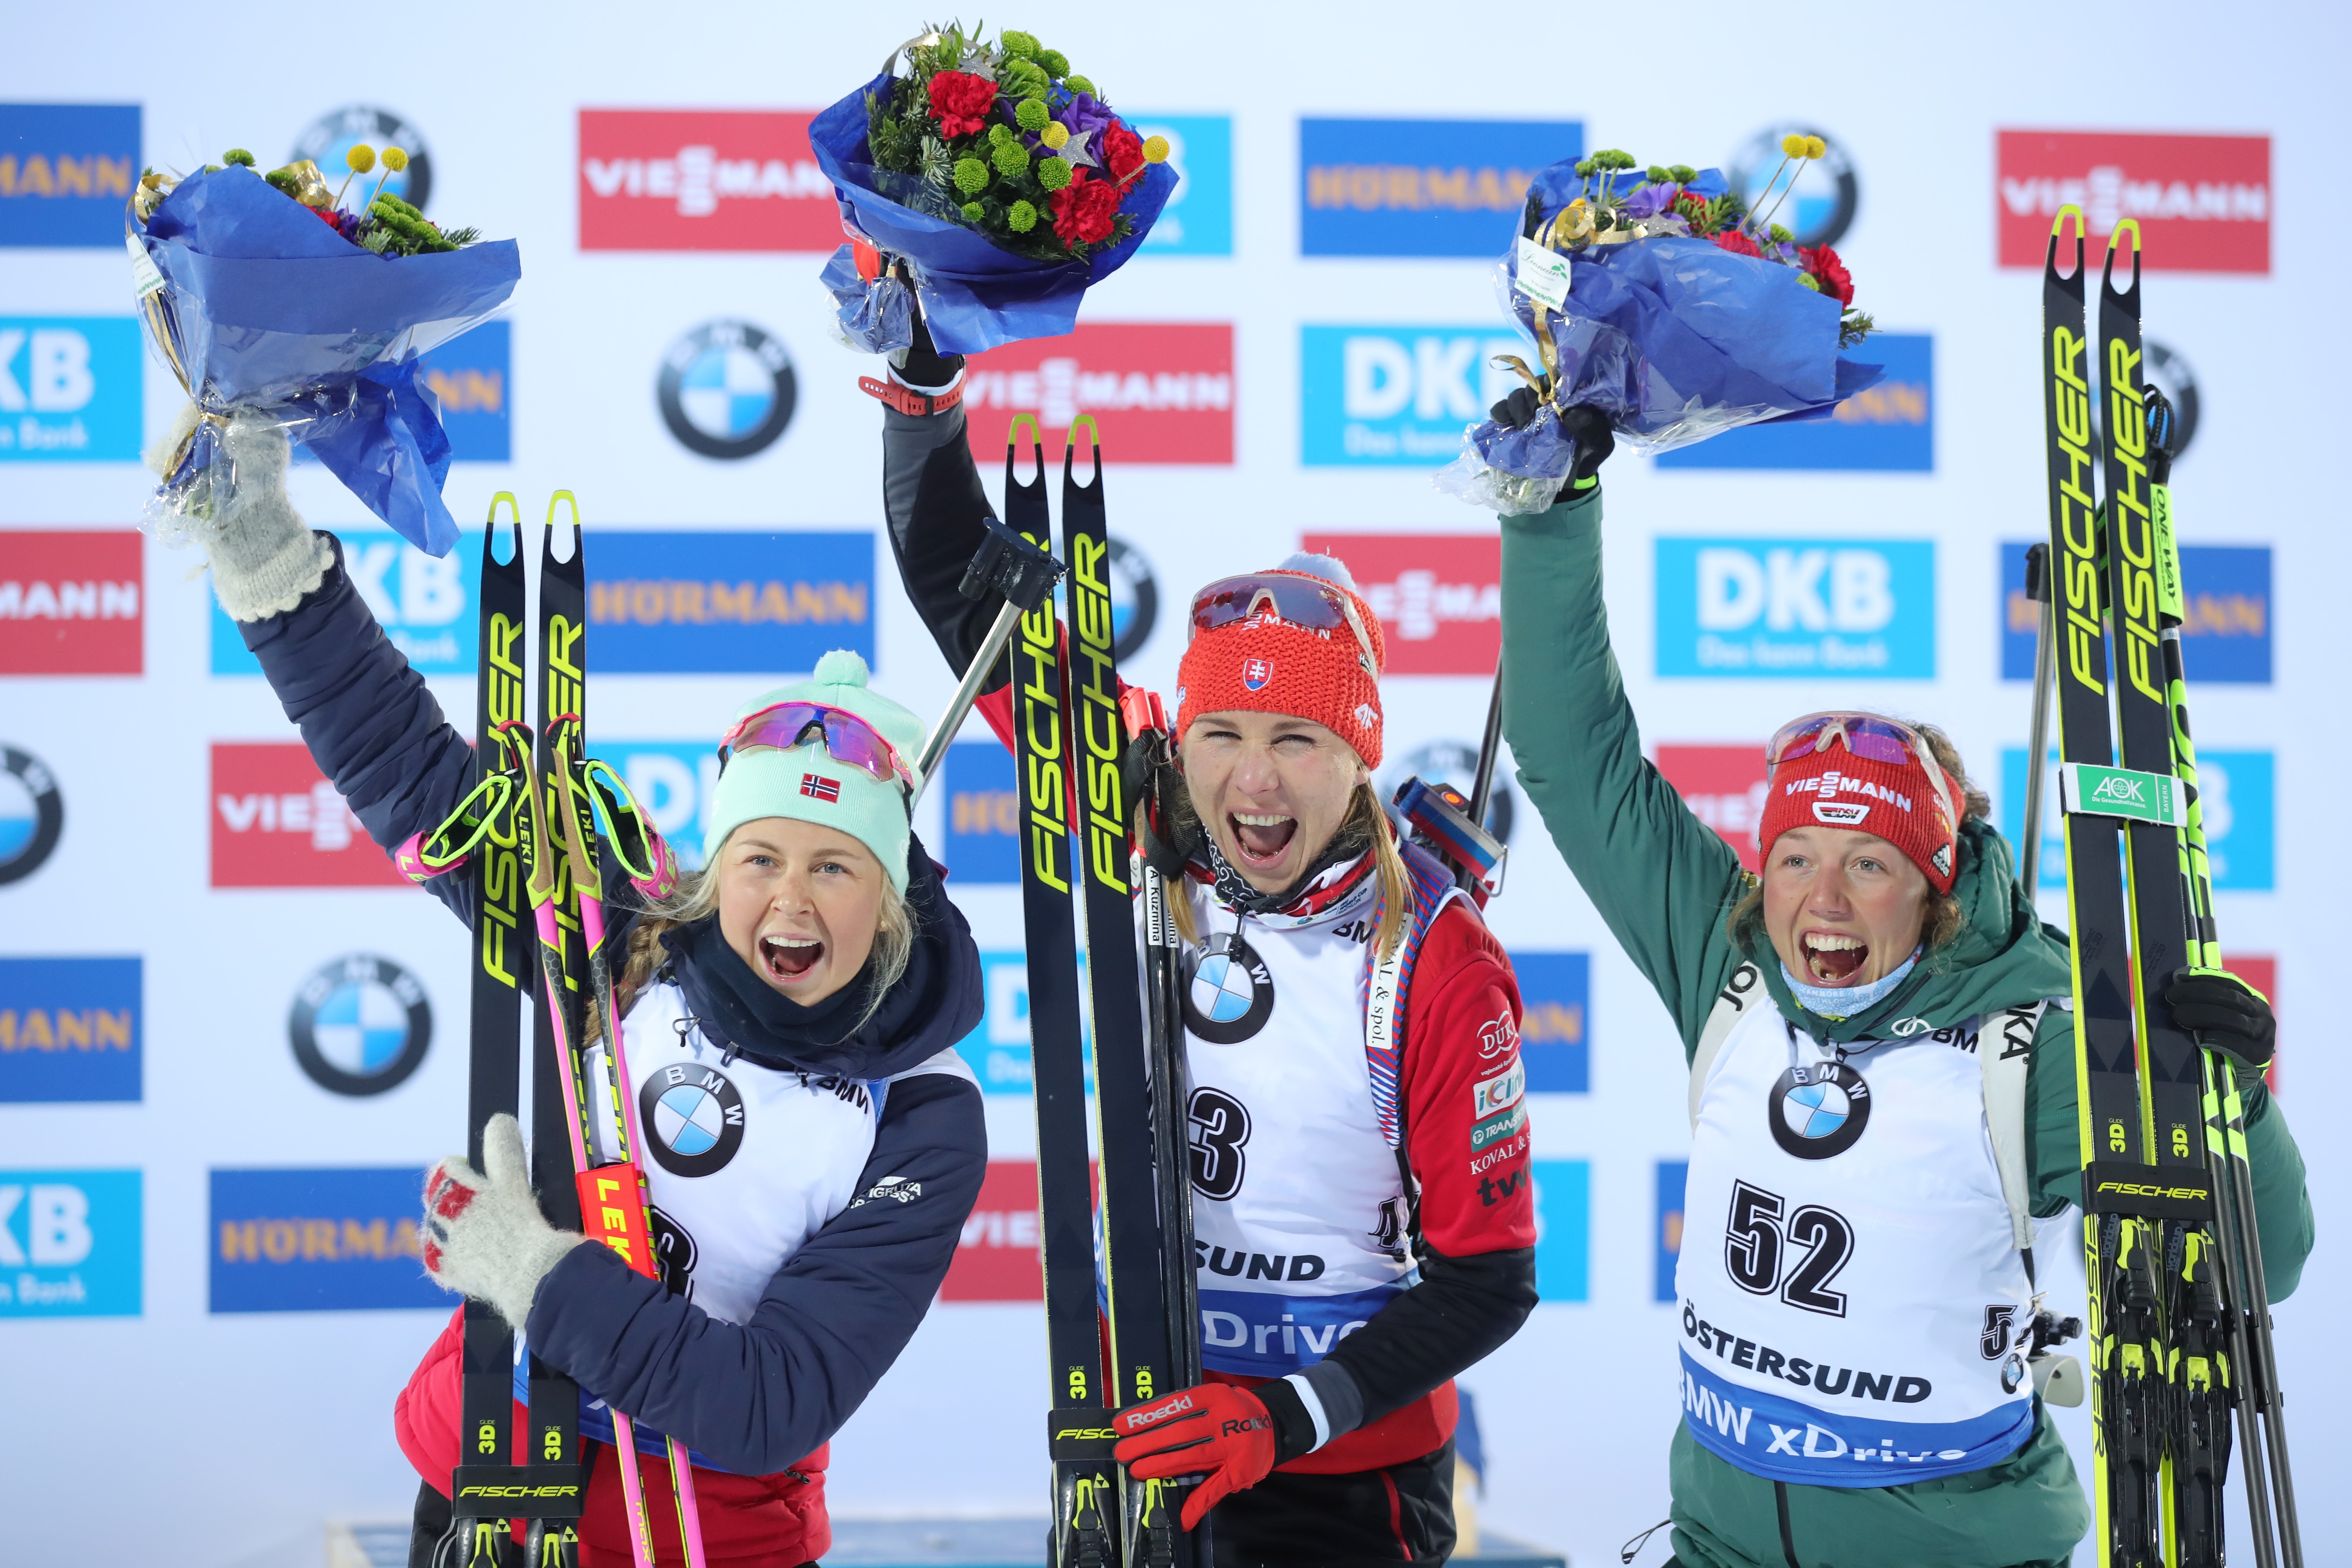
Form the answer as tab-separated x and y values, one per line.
1588	427
2223	1013
2163	437
921	365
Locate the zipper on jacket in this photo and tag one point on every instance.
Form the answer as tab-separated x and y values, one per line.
1788	1539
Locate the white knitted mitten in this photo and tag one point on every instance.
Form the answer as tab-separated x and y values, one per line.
263	557
483	1235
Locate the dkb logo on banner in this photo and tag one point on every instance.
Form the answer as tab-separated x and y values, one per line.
70	388
2225	631
1555	1011
1563	1229
1421	187
1724	786
1780	607
727	603
69	603
1886	429
1397	395
1170	385
672	781
2237	790
999	1050
70	1244
1199	217
66	171
424	604
329	1240
2203	201
70	1030
278	823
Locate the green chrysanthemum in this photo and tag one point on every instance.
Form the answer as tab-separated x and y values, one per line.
237	155
970	176
1025	79
973	212
1056	62
1810	281
1054	172
1018	46
1030	113
1080	84
1011	159
1021	217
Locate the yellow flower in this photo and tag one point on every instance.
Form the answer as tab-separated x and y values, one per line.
1155	149
360	159
1794	145
394	159
1056	133
1815	147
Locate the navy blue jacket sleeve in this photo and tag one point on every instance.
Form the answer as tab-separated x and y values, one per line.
371	726
758	1396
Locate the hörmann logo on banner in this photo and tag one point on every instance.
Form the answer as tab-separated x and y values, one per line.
1199	217
66	171
471	377
661	179
335	1240
424	604
70	1030
1724	786
1673	1177
1886	429
71	1243
1421	187
1555	1015
2225	631
1439	596
996	1257
2203	201
277	822
2237	791
1563	1229
70	389
69	603
1170	385
1781	607
982	809
1397	395
728	604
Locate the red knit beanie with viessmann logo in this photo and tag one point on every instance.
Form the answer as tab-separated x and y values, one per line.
1269	666
1896	800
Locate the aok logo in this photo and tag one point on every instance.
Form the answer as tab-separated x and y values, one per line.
2236	791
2203	203
702	180
277	824
69	603
70	389
1396	396
424	604
70	1244
70	1030
1767	607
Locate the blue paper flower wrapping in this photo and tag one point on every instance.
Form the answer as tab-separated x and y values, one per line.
263	307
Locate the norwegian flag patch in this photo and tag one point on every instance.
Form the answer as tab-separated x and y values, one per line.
1257	672
821	787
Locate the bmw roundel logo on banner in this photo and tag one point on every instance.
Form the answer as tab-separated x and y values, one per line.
331	135
726	389
1134	599
32	815
361	1025
1818	1109
1230	994
1821	207
693	1118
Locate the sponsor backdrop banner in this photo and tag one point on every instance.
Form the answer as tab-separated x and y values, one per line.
231	1037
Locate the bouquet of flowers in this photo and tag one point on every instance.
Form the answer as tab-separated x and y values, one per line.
1658	298
1002	181
265	294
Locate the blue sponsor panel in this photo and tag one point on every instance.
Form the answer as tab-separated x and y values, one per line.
672	781
67	171
71	388
471	378
1563	1229
1666	1239
1555	1010
2225	627
1797	607
2020	615
2238	791
424	604
1267	1333
999	1049
1396	397
982	813
1836	1442
1421	187
337	1240
1886	429
1199	217
70	1030
728	604
70	1244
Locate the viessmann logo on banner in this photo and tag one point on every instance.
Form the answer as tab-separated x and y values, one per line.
727	603
1396	396
2203	201
1421	187
277	822
318	1241
657	179
996	1256
424	604
1170	385
70	1030
66	171
1439	596
1779	607
1724	786
69	603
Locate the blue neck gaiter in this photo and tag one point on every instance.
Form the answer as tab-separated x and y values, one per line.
1839	1002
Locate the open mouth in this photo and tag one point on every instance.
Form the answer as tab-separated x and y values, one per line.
1833	958
1261	839
789	958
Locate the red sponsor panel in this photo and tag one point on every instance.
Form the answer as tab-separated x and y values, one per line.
1724	786
660	179
2203	201
71	602
277	823
1439	596
2262	974
1160	392
996	1259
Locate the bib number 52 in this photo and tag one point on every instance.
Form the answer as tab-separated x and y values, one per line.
1756	1243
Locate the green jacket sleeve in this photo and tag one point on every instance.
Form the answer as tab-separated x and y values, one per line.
1662	878
2055	1145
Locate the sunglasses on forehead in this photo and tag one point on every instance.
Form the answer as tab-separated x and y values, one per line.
845	737
1295	600
1882	740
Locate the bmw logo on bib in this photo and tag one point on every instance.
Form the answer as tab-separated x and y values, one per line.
1818	1109
1230	996
693	1118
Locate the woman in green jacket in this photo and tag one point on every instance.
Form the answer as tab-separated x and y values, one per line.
1856	1296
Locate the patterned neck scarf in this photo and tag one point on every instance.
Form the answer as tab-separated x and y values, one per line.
1336	877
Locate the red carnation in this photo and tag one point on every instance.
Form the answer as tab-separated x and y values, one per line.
960	101
1122	153
1737	242
1084	208
1829	272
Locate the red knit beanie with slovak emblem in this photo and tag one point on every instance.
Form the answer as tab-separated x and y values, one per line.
1265	665
1896	800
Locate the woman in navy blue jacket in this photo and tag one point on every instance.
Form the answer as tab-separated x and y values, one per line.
812	1187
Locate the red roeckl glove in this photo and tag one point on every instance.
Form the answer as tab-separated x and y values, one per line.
1214	1427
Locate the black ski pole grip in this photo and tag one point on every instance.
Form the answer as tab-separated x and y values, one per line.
2037	572
1009	564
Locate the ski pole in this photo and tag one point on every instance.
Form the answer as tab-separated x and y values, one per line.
2045	634
1024	574
1482	783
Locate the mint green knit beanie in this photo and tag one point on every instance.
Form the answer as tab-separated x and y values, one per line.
807	785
